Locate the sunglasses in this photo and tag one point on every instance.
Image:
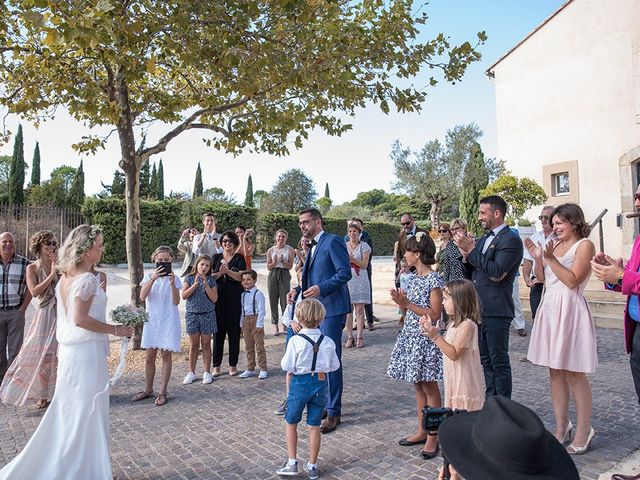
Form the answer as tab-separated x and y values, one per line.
543	217
637	196
226	240
50	243
405	224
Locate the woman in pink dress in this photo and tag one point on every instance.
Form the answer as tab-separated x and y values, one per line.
563	336
32	375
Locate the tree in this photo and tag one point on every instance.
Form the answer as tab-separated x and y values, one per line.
520	194
324	204
293	191
197	185
51	192
35	166
160	182
16	174
474	180
248	197
5	170
433	174
326	190
76	192
260	197
153	182
118	184
251	74
216	194
66	174
145	181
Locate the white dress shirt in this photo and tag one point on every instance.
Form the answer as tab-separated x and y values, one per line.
208	247
299	355
490	238
247	306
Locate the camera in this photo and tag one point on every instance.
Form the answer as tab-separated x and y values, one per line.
432	417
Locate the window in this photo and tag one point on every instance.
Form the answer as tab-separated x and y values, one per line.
560	183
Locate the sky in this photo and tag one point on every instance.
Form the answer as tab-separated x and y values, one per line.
358	160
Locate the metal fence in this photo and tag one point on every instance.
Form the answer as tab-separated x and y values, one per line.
24	220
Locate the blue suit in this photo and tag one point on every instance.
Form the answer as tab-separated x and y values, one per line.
329	268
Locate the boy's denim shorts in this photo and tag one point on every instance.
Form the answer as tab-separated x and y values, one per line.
306	390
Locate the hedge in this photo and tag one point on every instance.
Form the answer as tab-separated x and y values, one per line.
382	234
163	222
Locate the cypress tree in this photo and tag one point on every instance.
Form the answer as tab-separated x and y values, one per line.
153	183
197	186
117	185
76	192
326	190
145	180
474	180
16	174
248	198
35	166
160	182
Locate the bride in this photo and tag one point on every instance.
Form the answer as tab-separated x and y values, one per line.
72	440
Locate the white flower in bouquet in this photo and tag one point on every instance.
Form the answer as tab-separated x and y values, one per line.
129	315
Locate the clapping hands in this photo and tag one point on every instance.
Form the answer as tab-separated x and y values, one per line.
429	327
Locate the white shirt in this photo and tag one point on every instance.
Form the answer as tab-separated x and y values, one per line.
313	249
490	238
539	239
247	306
208	247
299	355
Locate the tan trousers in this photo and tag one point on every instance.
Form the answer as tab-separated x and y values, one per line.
254	342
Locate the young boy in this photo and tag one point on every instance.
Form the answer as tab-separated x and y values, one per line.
252	323
309	357
207	242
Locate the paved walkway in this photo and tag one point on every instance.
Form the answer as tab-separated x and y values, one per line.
227	430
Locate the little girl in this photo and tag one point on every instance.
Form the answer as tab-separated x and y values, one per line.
463	377
161	292
200	292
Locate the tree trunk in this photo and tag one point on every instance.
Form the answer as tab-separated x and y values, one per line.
436	210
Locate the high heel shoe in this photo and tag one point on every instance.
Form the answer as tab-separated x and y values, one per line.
567	434
573	450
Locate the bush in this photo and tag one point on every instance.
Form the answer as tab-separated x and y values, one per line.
383	235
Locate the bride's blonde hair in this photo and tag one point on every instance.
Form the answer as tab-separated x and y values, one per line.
78	242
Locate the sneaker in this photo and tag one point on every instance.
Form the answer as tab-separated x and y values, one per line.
288	470
312	471
247	374
189	378
263	374
282	409
207	378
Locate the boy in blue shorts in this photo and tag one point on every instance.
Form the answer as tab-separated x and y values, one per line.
309	357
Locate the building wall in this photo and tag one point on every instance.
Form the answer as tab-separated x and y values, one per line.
566	101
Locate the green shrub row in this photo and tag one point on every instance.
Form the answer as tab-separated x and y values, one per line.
162	222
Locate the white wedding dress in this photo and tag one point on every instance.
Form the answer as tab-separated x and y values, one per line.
72	440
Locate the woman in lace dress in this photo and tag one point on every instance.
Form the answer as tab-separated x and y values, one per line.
32	375
415	358
162	331
72	440
359	290
564	336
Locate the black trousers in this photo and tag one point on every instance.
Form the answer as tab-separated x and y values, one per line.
228	320
368	308
493	340
634	360
534	298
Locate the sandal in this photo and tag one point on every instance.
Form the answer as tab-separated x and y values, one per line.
42	403
349	343
161	399
359	342
141	396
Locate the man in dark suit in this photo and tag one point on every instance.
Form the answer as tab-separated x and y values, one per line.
491	264
408	230
325	275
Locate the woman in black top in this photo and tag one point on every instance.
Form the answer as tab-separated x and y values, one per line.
227	269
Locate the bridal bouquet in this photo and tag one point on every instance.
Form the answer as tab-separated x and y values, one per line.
129	315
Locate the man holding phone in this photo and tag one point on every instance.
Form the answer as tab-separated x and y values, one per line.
208	242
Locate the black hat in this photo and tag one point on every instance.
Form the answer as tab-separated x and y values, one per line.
504	441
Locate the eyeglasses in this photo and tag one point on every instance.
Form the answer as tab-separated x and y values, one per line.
637	196
405	224
50	243
226	240
443	231
543	217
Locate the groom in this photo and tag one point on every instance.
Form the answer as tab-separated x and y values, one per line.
325	275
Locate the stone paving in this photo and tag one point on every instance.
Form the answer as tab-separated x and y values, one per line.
227	430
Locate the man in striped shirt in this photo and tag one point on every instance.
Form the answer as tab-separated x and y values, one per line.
14	300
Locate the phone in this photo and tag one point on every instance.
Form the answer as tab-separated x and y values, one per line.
166	267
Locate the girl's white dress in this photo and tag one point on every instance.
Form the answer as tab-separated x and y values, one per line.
162	330
72	440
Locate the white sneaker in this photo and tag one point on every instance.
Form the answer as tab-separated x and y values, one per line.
247	374
189	378
263	374
207	378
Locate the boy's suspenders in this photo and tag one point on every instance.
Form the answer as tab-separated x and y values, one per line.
254	302
316	348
